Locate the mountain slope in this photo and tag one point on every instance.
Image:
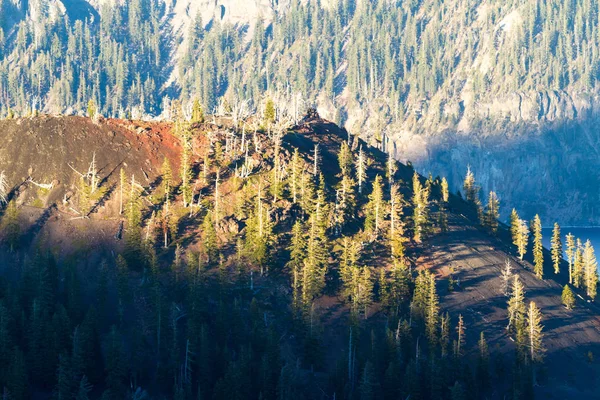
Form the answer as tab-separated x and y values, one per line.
238	297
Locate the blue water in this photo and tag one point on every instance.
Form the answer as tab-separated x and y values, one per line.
592	233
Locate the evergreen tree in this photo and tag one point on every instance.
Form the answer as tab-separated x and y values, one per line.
522	238
568	298
534	330
514	226
396	231
459	345
432	313
590	270
420	207
492	213
516	306
538	250
375	209
469	187
556	248
570	242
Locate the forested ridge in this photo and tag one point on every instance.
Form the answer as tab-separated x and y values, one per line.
271	261
403	60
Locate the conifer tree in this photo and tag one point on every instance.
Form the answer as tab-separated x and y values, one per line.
459	345
361	169
186	171
568	298
345	202
375	209
197	112
444	334
420	208
133	231
578	267
445	191
570	242
297	250
432	313
443	216
210	237
492	213
516	306
556	248
295	176
391	169
507	277
535	334
270	113
396	231
538	250
469	187
522	238
514	226
590	270
167	177
345	159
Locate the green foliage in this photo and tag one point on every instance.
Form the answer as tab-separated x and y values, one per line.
91	109
556	248
538	250
568	298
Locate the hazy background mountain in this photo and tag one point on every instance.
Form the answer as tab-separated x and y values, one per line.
509	87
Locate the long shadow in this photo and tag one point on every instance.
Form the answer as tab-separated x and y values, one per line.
102	201
32	231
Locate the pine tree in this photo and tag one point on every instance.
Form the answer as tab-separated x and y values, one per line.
432	313
514	226
568	298
345	159
445	191
361	169
295	176
570	242
375	209
444	334
459	345
420	207
556	248
590	270
578	267
210	238
186	170
522	238
492	213
469	187
516	306
535	335
507	277
197	112
297	250
538	250
396	231
269	116
167	177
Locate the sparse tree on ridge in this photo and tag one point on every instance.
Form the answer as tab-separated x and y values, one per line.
507	276
492	213
538	250
568	298
522	238
534	331
469	187
570	242
420	208
556	248
590	269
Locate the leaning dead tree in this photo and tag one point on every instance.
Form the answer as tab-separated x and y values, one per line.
3	188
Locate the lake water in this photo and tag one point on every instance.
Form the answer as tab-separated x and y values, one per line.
593	234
